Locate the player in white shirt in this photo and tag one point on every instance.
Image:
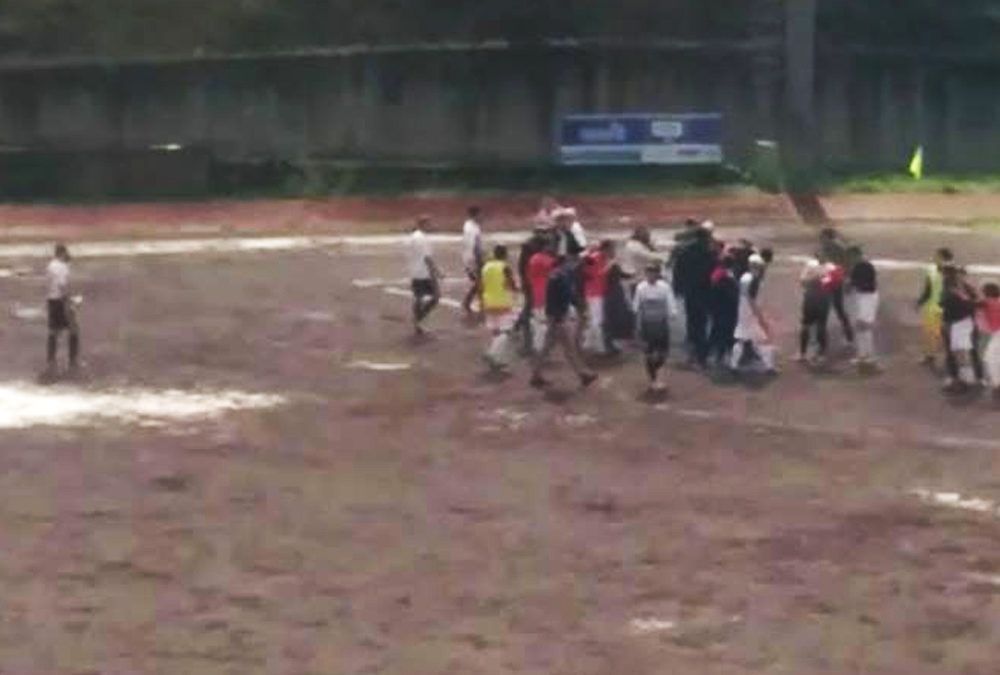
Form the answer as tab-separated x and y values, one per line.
654	306
61	311
753	333
472	256
424	275
638	253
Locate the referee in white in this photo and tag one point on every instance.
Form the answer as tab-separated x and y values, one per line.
61	310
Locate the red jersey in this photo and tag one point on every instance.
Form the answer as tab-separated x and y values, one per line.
540	266
595	275
989	316
834	277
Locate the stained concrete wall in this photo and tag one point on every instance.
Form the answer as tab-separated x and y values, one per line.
489	105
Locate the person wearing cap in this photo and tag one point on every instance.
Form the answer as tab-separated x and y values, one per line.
654	306
567	241
753	336
815	310
61	310
424	274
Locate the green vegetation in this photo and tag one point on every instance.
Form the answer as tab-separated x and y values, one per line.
904	183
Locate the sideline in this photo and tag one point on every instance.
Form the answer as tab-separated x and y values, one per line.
110	249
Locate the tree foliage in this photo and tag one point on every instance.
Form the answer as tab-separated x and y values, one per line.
141	27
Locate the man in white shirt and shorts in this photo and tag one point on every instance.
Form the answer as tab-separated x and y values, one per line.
61	310
424	275
472	256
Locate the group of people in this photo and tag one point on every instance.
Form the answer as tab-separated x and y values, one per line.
962	323
583	296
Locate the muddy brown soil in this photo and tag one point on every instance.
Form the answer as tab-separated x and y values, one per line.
437	520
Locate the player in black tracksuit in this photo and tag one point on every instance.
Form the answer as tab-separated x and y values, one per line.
692	282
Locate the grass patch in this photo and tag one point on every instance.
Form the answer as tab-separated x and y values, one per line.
895	183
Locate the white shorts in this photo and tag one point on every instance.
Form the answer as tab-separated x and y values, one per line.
750	331
500	321
961	335
866	307
991	360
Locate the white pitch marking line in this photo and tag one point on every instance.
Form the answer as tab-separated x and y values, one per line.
954	500
944	442
292	243
403	293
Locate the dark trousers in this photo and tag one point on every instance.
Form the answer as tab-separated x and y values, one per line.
837	300
814	319
696	313
720	339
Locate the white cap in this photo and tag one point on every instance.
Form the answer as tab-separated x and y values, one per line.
708	225
755	260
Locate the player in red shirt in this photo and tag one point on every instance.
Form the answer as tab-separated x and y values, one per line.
540	266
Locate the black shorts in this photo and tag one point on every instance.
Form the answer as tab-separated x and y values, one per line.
655	335
59	315
423	288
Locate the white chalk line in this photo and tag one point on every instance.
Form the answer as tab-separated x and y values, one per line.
868	433
955	500
292	243
403	293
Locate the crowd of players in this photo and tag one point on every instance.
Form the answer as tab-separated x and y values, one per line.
583	296
597	297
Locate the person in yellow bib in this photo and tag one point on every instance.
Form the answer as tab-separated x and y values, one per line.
929	305
499	288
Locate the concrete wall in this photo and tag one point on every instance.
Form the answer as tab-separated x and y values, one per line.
491	105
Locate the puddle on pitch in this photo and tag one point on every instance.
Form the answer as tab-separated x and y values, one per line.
24	405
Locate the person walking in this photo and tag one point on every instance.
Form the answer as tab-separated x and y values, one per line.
424	274
61	308
988	316
958	308
654	306
836	254
472	257
498	289
864	282
724	303
815	311
536	243
561	293
692	281
753	335
929	306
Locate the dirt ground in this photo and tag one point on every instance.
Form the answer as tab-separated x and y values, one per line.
372	214
435	520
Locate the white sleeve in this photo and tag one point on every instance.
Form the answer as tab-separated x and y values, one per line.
640	293
671	300
579	234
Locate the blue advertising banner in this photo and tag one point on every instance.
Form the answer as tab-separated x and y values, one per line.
641	139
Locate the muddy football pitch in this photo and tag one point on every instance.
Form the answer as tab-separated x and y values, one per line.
262	472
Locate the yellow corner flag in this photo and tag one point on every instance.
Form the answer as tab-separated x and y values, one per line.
917	163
